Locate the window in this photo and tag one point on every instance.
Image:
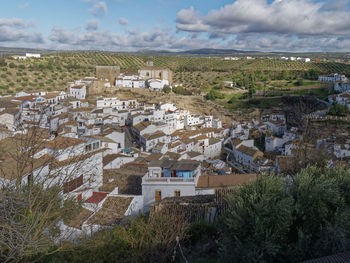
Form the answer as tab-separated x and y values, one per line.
177	193
88	148
158	195
96	145
73	184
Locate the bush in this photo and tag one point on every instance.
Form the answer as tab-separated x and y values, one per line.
299	82
3	62
213	95
181	91
142	240
12	65
338	110
166	89
278	220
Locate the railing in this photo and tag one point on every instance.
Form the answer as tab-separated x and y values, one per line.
169	179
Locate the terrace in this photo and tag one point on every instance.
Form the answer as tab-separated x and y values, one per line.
170	171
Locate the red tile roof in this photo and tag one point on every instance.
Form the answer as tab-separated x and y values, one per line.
96	197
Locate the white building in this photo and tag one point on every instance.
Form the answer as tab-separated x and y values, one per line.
157	84
78	92
333	78
193	119
168	178
130	81
341	87
32	55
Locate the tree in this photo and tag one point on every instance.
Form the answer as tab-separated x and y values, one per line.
275	219
166	89
338	110
31	196
257	221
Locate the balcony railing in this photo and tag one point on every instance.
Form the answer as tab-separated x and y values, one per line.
168	179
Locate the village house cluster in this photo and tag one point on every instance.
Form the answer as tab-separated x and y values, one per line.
341	87
120	157
81	146
296	59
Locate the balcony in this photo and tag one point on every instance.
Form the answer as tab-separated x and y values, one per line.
167	180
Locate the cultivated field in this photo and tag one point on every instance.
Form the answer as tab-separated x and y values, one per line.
53	71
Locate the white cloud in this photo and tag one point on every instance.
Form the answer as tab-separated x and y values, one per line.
123	21
99	9
130	40
301	17
92	25
13	22
16	29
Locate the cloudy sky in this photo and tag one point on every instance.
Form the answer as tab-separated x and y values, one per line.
126	25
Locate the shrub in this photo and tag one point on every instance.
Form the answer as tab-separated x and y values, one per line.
274	219
3	62
166	89
299	82
338	110
213	95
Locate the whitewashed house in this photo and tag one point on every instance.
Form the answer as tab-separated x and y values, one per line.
157	84
168	178
130	81
78	92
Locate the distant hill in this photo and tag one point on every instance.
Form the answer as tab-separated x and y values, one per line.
9	51
212	51
195	52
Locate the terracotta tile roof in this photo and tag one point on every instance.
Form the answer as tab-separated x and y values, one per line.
213	141
155	135
112	211
193	154
235	141
248	150
171	156
75	159
96	197
71	122
78	220
60	143
10	170
30	98
217	181
142	125
11	111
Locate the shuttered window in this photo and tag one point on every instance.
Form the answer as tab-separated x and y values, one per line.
72	184
158	195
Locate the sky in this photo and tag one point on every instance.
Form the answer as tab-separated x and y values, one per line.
131	25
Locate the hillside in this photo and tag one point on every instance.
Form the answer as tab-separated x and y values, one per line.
54	70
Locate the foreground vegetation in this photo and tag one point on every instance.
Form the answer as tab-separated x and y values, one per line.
273	219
